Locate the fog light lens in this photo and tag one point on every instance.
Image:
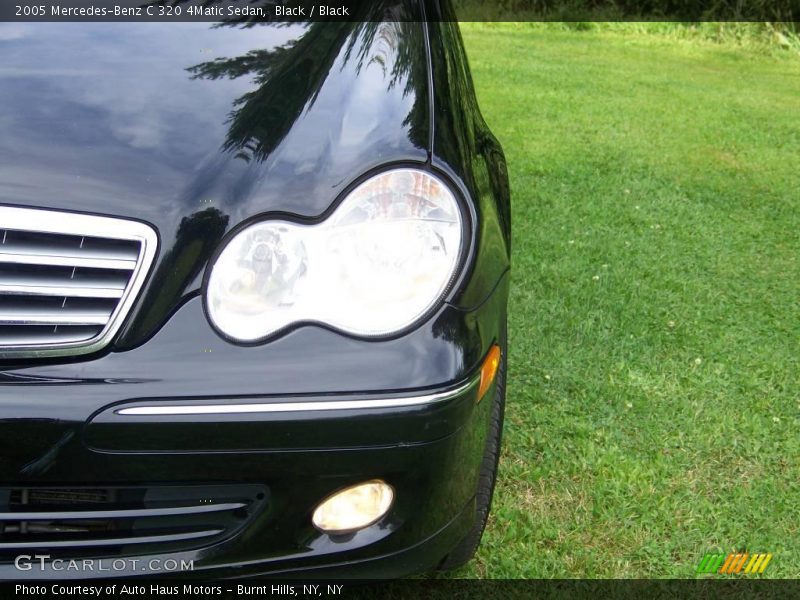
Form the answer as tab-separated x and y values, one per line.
354	508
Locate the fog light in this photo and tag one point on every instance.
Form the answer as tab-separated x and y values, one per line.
354	508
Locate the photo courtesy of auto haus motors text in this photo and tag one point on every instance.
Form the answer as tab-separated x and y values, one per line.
120	590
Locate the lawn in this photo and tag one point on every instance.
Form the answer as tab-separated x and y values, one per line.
653	403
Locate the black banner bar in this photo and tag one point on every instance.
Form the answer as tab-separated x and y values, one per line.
412	588
31	11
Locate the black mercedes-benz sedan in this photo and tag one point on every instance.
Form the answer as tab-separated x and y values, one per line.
253	289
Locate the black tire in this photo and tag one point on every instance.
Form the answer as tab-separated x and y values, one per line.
465	549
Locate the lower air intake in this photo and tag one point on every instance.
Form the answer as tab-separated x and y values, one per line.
121	521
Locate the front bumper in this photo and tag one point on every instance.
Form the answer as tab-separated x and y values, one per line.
435	482
166	414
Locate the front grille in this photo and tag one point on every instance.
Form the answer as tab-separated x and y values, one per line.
120	521
67	280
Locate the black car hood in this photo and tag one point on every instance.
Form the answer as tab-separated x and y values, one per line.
195	127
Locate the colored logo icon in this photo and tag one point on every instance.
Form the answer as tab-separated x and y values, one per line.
734	563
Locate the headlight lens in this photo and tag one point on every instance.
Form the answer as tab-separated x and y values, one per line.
382	259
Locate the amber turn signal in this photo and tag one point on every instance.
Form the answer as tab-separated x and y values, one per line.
489	370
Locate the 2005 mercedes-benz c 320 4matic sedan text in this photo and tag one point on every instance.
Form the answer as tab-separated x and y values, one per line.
253	289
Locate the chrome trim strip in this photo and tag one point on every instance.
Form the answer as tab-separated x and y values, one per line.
67	223
280	407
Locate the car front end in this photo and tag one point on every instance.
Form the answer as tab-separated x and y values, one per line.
253	290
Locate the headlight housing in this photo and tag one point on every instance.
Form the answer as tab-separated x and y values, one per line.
378	263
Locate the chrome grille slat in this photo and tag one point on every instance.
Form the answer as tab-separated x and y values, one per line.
10	316
64	276
22	335
52	515
74	291
66	261
66	246
67	280
118	541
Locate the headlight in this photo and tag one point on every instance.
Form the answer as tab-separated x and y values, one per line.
382	260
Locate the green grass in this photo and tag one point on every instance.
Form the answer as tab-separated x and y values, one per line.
776	37
654	372
759	37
